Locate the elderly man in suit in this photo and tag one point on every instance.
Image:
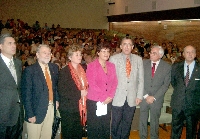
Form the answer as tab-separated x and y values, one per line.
129	93
157	77
185	100
11	109
39	94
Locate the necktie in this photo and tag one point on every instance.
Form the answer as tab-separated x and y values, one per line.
153	69
49	84
128	67
12	70
187	76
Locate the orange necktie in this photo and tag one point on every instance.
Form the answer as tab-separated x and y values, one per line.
49	85
128	67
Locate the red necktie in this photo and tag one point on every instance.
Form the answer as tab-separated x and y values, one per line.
153	69
128	67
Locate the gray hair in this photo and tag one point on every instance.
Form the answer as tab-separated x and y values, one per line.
3	36
161	50
40	46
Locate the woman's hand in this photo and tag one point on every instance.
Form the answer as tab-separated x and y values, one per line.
108	100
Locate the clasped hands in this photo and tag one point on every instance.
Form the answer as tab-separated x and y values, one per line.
150	99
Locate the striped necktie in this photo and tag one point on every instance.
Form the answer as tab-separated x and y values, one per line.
187	76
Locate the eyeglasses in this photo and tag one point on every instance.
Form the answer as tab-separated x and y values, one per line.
153	53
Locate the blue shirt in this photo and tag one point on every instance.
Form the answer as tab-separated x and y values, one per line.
191	68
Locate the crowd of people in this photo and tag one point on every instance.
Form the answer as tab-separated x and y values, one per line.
71	69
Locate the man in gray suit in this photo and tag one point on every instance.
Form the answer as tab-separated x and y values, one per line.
11	109
157	76
129	93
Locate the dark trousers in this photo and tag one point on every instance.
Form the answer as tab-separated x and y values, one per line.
178	118
98	126
71	125
121	121
12	132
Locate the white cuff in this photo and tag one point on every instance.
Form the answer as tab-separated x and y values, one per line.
145	96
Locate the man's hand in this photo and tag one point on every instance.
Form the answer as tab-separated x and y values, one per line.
150	99
138	101
32	120
57	105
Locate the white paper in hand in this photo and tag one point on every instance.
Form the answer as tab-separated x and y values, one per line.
101	109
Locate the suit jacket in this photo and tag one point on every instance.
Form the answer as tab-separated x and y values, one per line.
9	93
185	98
35	94
158	85
68	91
128	88
101	85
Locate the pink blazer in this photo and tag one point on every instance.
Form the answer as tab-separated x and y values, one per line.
101	84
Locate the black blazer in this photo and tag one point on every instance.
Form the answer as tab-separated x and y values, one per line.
35	91
9	93
68	91
185	97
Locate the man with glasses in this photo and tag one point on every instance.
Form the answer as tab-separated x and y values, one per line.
157	76
129	93
39	94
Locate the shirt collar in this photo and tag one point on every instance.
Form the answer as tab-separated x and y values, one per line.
5	59
157	62
191	64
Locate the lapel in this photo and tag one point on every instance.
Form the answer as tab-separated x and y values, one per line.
51	73
18	70
194	74
149	72
6	70
122	63
159	68
40	74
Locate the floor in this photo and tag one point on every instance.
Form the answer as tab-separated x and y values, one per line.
162	134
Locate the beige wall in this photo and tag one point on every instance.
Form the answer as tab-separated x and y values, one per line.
68	13
180	32
140	6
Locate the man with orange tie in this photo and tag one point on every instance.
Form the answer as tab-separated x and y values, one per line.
129	93
39	94
157	77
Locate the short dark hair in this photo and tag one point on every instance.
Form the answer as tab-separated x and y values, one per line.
99	48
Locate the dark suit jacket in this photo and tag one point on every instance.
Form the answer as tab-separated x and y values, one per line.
35	91
185	97
68	91
9	93
159	84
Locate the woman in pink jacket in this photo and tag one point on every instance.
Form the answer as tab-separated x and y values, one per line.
102	79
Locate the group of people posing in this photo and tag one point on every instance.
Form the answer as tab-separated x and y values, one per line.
109	87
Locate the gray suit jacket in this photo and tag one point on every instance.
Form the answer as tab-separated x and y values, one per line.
9	93
128	88
159	84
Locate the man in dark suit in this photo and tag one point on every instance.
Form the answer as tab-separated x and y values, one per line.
185	79
157	77
39	94
11	109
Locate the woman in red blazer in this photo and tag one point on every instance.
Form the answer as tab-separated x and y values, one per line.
102	80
